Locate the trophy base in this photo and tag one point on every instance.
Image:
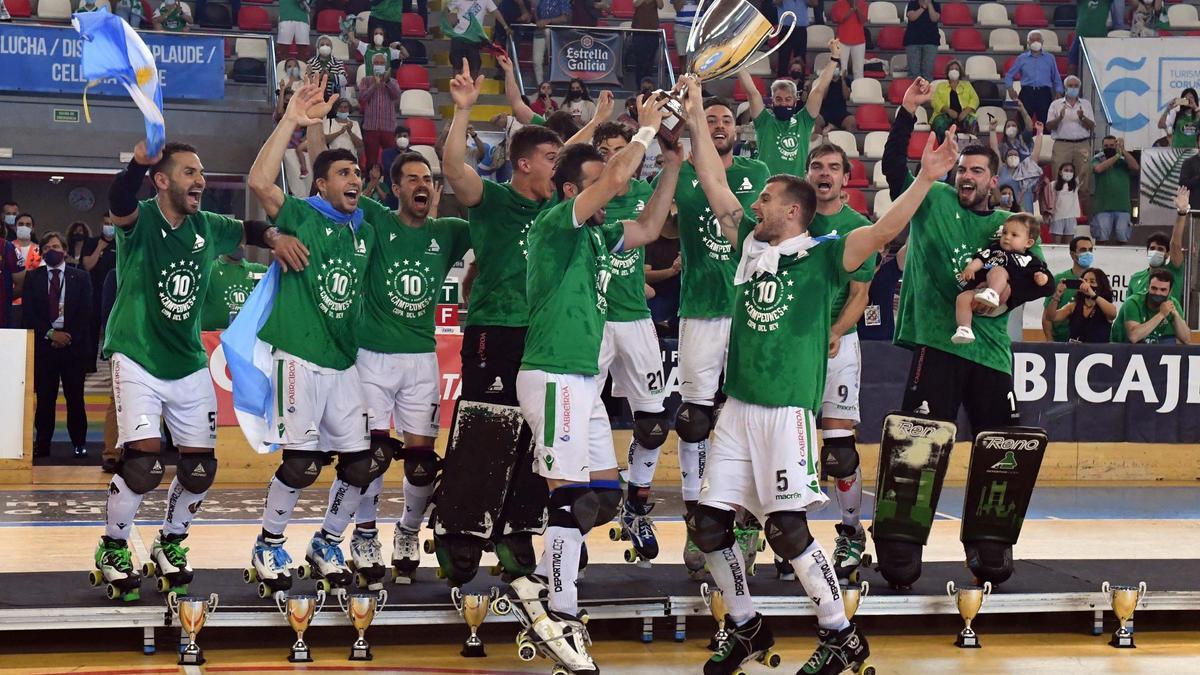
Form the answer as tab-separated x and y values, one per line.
300	653
967	640
191	657
357	654
1122	640
473	651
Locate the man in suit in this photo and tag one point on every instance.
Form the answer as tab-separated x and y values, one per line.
58	309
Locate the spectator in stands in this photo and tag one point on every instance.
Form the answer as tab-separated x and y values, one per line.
378	96
1063	202
476	149
324	63
645	50
921	38
1181	119
1082	251
78	235
376	186
1114	167
26	243
629	117
11	276
343	133
1089	317
579	102
850	16
130	10
513	11
86	6
173	16
549	13
1152	317
834	112
394	53
1070	120
1091	20
295	162
663	266
1021	173
10	212
685	13
1040	80
99	257
797	44
878	321
1165	254
389	15
462	21
544	103
587	12
293	29
58	310
293	76
954	102
403	139
1147	16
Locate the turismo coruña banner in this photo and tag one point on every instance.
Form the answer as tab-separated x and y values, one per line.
590	55
47	59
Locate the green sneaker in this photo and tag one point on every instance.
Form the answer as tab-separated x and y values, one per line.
114	570
848	552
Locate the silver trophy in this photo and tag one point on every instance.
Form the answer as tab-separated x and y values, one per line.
300	610
361	609
192	613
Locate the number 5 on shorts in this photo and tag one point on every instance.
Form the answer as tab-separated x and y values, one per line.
781	480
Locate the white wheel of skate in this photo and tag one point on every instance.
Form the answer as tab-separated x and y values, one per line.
148	569
264	591
249	575
112	592
526	651
501	606
559	670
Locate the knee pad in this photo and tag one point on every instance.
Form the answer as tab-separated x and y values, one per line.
990	560
711	528
839	456
608	496
788	534
421	466
360	469
693	422
574	506
899	561
142	471
650	429
300	468
196	471
392	447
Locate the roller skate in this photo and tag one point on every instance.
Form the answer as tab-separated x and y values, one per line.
168	561
693	560
515	557
848	552
784	570
114	570
328	563
560	637
271	567
749	538
839	651
751	640
406	554
366	559
637	528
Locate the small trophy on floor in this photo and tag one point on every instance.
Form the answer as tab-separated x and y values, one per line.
300	610
1124	600
970	601
473	607
192	613
361	609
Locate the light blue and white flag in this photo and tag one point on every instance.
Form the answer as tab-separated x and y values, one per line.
249	361
112	49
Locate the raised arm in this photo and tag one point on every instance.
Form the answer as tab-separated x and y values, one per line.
649	223
122	193
512	91
603	113
895	149
1038	136
820	86
753	95
467	184
303	110
1182	205
1131	162
622	166
726	208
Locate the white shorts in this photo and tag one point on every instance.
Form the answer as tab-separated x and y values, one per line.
292	33
703	349
401	389
316	408
764	459
571	434
630	351
188	404
842	377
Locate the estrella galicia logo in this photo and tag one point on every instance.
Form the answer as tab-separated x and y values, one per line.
710	61
591	57
1132	85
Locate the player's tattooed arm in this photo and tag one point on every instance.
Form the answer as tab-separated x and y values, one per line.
710	170
305	106
649	224
468	186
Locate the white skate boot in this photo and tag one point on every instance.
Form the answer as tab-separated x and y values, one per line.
328	562
406	554
560	637
366	559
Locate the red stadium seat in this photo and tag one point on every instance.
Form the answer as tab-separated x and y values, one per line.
254	18
412	25
891	38
858	201
967	40
872	117
424	130
1030	15
896	90
939	65
668	28
411	76
1008	64
858	175
739	94
916	144
622	9
330	21
19	9
957	14
1063	64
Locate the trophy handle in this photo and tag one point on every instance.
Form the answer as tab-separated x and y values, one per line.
213	599
864	588
341	599
1141	592
321	601
950	588
705	594
456	598
280	602
696	18
987	590
1105	588
173	602
383	596
774	33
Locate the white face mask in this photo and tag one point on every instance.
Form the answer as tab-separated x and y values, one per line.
378	40
1068	175
953	74
1035	47
1013	162
324	50
1011	132
24	231
1156	258
402	142
380	70
108	231
10	219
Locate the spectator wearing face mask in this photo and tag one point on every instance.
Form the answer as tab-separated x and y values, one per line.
343	133
921	37
1071	121
10	212
1021	173
1040	79
173	16
1007	198
1153	316
1091	20
1088	316
1114	167
392	53
389	15
99	258
293	75
1083	256
1147	16
1163	254
78	235
295	157
324	64
293	29
26	243
544	103
954	102
1062	204
131	11
579	102
403	139
1181	120
378	97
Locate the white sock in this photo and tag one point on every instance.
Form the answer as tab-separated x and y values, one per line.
121	509
182	506
563	545
728	569
416	500
281	501
344	499
642	463
691	467
815	572
368	508
849	498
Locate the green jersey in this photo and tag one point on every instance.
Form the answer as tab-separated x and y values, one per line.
230	284
779	338
1112	187
844	222
162	279
499	225
1091	18
709	259
783	146
463	19
388	10
568	276
1140	283
404	279
294	10
1135	309
1186	131
316	311
1062	329
942	239
626	292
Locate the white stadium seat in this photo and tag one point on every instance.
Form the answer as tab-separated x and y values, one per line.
883	13
54	9
1005	40
992	14
427	151
865	90
250	48
943	46
845	140
877	177
819	36
1181	16
1118	33
873	145
1050	42
922	119
981	67
883	202
899	65
985	125
416	103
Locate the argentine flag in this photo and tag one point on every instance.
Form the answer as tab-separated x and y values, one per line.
111	48
249	361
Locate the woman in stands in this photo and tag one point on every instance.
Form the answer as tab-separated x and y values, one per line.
954	102
1091	315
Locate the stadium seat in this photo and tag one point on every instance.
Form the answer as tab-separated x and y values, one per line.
424	131
858	175
985	125
820	62
1005	40
872	117
416	51
362	23
957	14
942	45
360	74
739	94
1030	15
922	119
54	9
762	67
249	71
19	9
330	21
1050	43
873	144
1118	33
993	14
981	68
883	202
899	65
622	9
882	13
890	38
940	62
341	50
254	18
668	28
1182	16
865	90
412	25
845	140
897	88
410	76
877	178
250	48
742	109
1064	16
416	103
819	36
916	144
428	152
967	40
857	200
215	16
1062	62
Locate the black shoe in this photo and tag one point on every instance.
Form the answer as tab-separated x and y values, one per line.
751	640
80	452
109	465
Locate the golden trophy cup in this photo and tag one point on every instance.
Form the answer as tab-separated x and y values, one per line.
970	601
715	602
361	608
192	613
1124	600
852	597
300	610
473	608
